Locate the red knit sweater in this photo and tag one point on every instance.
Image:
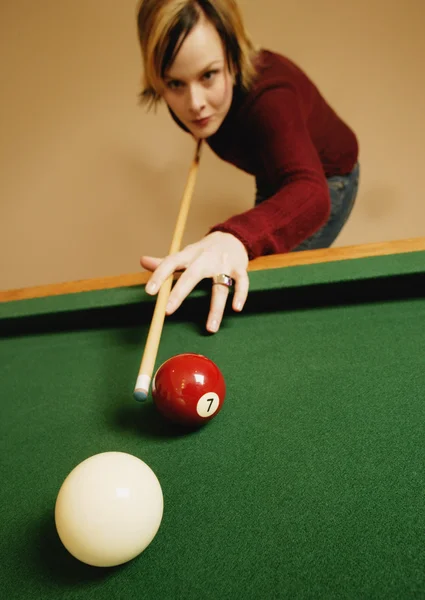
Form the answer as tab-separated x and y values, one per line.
285	134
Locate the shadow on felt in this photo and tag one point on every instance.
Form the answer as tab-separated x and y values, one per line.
53	559
145	421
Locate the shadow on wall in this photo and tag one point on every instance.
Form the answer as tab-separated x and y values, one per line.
379	202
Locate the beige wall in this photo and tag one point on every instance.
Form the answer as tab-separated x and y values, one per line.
89	181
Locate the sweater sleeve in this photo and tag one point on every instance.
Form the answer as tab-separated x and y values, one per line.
288	161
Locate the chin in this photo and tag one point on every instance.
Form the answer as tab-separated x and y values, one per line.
205	132
203	135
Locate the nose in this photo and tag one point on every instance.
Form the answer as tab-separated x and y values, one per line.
196	99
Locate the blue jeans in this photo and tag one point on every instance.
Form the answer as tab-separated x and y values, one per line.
343	193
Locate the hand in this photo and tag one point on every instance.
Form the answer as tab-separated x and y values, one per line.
217	253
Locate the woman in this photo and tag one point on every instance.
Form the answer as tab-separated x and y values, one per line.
258	111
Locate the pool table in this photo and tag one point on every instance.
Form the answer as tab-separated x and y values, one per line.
310	482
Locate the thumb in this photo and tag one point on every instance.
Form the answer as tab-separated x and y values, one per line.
150	262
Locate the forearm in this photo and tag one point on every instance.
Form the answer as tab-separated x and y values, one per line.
281	222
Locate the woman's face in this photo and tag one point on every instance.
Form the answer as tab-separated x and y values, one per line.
198	86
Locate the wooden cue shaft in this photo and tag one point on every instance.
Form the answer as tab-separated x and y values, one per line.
151	349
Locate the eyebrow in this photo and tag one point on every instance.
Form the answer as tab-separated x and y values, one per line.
204	70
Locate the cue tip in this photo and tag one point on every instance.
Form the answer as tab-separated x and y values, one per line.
140	395
142	388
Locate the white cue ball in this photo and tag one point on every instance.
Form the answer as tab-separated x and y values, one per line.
109	509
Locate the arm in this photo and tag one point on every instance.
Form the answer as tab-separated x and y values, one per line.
288	161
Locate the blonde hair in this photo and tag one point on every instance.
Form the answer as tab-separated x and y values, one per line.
163	25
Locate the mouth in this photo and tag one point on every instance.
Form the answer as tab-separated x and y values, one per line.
202	122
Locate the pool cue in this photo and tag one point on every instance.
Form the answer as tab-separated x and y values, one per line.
147	365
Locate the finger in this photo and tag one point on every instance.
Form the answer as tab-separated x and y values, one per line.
241	290
150	262
184	286
219	295
164	270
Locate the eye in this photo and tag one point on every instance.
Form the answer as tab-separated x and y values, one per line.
174	84
209	75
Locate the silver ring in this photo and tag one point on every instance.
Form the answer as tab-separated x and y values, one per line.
223	279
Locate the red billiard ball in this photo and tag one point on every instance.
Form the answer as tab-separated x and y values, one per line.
188	389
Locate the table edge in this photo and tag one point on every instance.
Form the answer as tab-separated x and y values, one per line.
263	263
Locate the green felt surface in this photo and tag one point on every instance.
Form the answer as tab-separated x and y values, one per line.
310	483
